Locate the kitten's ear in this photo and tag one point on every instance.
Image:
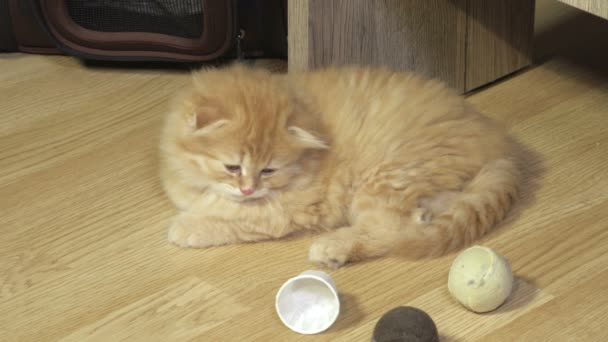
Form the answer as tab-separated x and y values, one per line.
306	139
204	118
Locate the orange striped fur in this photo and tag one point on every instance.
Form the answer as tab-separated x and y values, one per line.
382	161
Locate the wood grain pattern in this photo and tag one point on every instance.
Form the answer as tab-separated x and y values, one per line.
83	252
297	39
498	40
596	7
426	36
178	312
466	43
549	323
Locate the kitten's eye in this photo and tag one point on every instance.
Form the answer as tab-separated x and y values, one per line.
267	171
232	168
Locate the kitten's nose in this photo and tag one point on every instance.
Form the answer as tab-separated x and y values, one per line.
247	191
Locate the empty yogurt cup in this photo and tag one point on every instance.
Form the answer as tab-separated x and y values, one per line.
308	303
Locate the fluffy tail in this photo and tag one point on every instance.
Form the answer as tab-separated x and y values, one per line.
484	202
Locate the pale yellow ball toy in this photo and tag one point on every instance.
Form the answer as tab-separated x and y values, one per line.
480	279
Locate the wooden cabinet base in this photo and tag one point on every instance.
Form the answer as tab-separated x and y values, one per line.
466	43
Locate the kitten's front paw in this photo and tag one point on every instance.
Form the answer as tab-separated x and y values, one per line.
178	235
329	252
183	236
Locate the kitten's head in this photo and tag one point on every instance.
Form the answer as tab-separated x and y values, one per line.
244	135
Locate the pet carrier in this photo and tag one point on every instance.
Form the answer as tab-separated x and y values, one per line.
174	30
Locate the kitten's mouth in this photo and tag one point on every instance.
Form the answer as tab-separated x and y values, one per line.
254	196
235	194
259	194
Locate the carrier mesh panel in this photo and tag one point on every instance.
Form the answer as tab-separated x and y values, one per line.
183	18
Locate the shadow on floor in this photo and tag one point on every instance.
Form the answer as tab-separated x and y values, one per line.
580	39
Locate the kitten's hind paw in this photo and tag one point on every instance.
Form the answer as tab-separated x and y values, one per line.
330	253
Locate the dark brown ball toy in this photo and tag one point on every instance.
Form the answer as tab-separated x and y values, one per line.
405	324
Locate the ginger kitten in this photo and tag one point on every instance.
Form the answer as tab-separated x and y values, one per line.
383	161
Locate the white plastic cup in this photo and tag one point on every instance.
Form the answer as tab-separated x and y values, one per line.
308	303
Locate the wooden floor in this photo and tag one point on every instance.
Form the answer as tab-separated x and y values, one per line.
83	254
